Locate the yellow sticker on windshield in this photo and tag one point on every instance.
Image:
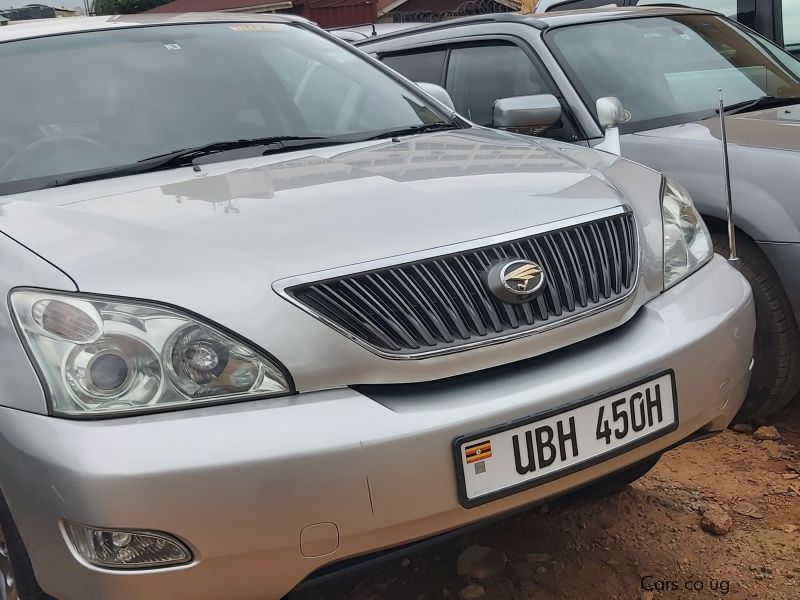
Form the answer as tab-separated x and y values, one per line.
256	27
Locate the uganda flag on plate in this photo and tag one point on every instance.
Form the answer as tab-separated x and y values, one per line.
480	451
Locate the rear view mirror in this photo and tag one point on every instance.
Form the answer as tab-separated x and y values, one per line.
438	92
538	111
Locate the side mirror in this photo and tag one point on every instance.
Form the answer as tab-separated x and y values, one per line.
610	113
541	111
438	92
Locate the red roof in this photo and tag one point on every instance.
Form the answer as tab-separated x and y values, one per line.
183	6
331	3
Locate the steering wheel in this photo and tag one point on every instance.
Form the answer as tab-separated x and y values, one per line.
66	154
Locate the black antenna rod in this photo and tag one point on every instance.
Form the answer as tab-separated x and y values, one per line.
728	196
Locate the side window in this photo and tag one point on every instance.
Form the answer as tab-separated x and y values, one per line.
729	8
418	66
791	24
479	75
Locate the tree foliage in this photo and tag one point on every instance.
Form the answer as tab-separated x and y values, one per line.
125	7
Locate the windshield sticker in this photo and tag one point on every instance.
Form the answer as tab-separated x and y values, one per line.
256	27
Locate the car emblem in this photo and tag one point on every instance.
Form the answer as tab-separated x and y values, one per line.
516	281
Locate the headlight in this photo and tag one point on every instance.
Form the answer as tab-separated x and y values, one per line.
105	356
687	243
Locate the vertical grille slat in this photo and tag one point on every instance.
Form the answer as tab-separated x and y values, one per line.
429	313
442	299
563	272
575	269
551	288
594	284
400	333
403	310
360	317
601	253
471	275
459	291
443	302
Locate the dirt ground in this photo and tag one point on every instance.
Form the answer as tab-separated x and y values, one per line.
646	543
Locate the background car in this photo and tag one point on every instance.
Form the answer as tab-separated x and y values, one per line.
665	65
777	20
271	310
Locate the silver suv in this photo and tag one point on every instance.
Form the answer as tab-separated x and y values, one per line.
270	308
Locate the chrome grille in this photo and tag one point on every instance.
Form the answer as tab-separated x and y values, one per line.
437	304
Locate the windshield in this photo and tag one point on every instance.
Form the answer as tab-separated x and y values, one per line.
86	101
668	70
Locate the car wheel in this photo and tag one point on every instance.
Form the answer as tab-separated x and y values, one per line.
608	486
18	581
776	371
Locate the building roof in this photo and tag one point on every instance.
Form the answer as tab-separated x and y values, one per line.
41	27
332	3
181	6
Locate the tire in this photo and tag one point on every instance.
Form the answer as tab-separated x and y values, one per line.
616	482
776	371
15	559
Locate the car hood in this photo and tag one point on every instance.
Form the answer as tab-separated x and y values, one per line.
774	128
215	242
305	211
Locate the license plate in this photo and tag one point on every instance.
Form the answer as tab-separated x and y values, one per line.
522	454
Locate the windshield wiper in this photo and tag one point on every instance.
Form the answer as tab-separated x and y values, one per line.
415	129
187	156
213	152
760	103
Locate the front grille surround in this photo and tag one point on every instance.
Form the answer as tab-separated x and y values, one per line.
433	302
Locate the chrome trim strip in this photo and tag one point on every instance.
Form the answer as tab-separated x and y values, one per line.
282	286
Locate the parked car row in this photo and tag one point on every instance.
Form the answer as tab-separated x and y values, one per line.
666	66
274	311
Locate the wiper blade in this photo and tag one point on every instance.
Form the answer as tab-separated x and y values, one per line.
186	157
214	147
760	103
415	129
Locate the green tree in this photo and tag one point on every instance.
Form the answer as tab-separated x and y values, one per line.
125	7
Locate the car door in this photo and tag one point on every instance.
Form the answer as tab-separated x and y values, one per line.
477	73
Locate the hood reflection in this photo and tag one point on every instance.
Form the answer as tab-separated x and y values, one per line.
431	157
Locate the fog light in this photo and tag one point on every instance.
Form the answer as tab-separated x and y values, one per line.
121	549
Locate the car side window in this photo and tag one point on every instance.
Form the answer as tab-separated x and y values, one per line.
426	66
479	75
791	24
729	8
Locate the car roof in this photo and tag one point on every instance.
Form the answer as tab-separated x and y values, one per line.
362	32
45	27
554	19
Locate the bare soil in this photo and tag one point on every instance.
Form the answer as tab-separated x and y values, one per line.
645	543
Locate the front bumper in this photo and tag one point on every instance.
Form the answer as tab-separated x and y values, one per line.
241	484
